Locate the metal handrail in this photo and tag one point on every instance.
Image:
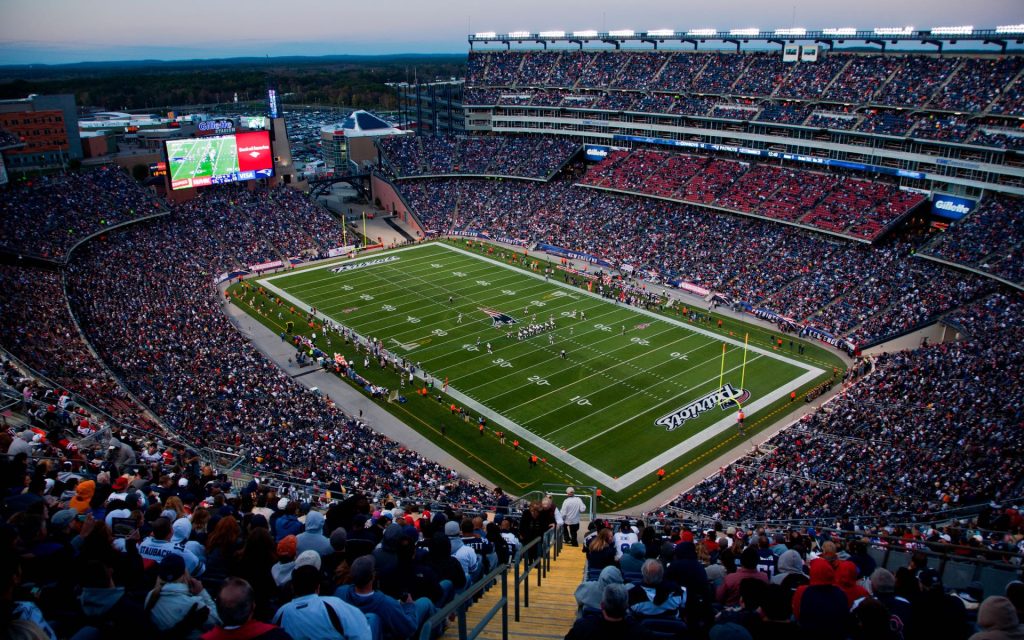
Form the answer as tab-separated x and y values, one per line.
457	607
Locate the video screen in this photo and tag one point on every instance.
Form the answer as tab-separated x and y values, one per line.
200	162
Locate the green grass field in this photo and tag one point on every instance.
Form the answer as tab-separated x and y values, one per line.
202	157
602	414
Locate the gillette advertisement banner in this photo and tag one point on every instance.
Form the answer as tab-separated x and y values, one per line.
596	152
952	207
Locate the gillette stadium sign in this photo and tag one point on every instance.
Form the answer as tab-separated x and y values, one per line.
951	207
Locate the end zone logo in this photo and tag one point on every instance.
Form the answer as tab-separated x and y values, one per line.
725	397
498	318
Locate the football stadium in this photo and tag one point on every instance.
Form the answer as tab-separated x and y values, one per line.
683	333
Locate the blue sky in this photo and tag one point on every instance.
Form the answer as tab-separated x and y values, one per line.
56	31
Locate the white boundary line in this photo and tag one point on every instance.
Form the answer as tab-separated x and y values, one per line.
648	468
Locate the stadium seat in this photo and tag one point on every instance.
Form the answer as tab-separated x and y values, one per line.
664	628
957	575
995	579
896	560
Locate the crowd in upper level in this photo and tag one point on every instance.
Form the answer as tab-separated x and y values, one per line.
949	83
916	96
522	157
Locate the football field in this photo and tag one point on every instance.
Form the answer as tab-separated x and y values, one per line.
202	157
633	391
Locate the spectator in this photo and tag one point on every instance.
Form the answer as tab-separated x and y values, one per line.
729	592
236	604
614	623
179	597
820	608
590	592
310	616
654	598
399	619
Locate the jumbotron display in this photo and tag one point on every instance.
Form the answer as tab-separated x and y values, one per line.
200	162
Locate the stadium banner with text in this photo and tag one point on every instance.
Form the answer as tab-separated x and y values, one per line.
263	266
202	161
828	338
572	255
771	316
951	207
778	155
340	251
596	152
689	286
215	127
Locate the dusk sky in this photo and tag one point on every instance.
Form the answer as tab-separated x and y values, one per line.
56	31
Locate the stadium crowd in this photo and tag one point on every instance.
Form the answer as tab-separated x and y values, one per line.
925	432
890	84
113	546
45	216
954	83
866	293
36	327
989	238
858	208
523	157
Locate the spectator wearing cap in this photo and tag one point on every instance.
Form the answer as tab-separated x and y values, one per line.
159	545
83	496
470	562
937	613
399	619
313	537
178	596
236	604
310	616
335	564
728	592
689	573
286	524
883	589
286	552
572	509
613	622
997	620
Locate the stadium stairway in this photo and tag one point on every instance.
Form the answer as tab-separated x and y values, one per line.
552	607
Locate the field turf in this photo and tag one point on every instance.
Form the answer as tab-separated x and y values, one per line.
596	411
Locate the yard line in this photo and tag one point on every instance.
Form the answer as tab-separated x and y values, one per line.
598	391
575	365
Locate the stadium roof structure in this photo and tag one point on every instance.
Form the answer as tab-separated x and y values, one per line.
1000	36
362	124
